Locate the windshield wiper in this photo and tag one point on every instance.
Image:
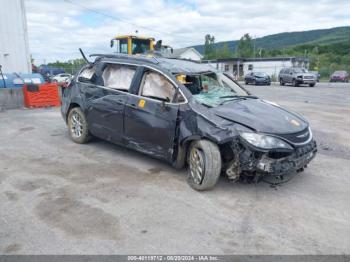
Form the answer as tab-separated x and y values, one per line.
234	98
237	96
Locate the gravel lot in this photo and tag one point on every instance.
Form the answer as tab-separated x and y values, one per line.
57	197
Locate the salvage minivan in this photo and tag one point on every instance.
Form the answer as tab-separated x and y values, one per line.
188	114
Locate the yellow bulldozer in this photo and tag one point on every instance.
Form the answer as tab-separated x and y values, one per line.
133	45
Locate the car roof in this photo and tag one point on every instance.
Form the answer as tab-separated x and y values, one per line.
175	66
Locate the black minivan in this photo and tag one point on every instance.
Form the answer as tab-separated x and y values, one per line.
188	114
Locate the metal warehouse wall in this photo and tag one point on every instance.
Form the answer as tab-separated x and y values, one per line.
14	47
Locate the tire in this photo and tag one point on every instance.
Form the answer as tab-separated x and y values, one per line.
294	83
77	126
311	85
281	82
246	82
206	155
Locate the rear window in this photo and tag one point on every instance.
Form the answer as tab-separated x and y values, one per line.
118	76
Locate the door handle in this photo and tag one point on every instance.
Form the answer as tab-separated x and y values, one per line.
132	106
118	101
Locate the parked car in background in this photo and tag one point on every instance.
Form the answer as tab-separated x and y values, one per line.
339	76
62	78
296	76
257	78
317	75
187	114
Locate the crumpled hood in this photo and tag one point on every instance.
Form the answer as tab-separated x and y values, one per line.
261	116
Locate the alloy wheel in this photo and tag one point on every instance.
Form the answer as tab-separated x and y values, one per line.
197	165
76	125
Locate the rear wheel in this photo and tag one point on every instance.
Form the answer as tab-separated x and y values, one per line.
77	126
204	165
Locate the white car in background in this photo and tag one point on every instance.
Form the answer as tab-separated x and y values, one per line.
62	78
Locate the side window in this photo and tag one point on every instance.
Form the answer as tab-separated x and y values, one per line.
118	76
87	75
156	86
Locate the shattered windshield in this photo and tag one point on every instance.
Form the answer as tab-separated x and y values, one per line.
213	89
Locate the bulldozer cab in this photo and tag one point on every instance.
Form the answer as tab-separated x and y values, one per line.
131	45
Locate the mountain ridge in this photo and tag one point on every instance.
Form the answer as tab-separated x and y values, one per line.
291	39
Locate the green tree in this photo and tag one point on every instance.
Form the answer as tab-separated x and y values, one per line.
245	46
209	51
70	66
224	52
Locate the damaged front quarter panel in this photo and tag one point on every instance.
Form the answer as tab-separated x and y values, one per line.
239	158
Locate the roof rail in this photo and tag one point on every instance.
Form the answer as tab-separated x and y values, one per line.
125	56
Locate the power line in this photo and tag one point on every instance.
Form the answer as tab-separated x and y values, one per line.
117	18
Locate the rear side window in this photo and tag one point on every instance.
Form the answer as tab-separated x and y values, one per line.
156	86
87	75
118	76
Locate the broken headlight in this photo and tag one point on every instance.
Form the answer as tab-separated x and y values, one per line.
264	141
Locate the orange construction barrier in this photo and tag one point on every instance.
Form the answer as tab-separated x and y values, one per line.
41	95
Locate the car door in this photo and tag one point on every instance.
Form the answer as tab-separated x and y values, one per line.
251	77
151	115
105	112
286	75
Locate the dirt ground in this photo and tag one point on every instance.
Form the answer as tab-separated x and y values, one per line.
57	197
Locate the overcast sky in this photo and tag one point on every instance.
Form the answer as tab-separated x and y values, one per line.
57	28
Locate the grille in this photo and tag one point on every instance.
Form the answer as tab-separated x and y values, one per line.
299	137
308	77
302	151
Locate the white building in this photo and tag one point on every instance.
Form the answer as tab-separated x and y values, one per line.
271	66
14	47
187	53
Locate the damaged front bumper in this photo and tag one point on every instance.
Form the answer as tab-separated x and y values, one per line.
254	163
298	160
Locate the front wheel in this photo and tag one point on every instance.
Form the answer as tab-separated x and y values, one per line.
77	126
281	82
311	85
294	83
204	165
